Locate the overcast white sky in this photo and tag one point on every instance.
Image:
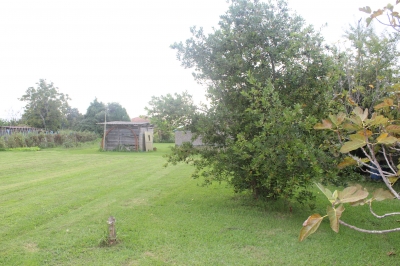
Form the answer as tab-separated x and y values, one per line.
118	51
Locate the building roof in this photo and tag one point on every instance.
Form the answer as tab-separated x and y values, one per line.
139	119
124	123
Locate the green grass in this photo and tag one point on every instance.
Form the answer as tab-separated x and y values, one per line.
55	203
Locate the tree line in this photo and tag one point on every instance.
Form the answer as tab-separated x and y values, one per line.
48	108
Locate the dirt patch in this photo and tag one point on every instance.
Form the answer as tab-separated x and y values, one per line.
135	202
31	247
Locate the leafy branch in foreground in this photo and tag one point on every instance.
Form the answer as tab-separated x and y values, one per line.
354	195
370	142
393	17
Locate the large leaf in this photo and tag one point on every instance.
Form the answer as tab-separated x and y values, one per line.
348	161
385	139
386	103
337	119
334	215
356	120
352	145
359	203
377	120
351	126
361	134
352	194
310	226
360	113
326	124
382	194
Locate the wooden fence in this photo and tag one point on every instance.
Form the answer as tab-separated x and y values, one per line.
8	130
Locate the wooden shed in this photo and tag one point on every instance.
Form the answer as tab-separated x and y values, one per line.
128	136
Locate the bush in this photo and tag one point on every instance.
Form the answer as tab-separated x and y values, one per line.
3	144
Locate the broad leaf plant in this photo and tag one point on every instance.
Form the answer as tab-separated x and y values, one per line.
372	142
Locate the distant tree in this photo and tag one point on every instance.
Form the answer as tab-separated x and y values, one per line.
95	114
115	112
74	117
3	122
46	107
170	112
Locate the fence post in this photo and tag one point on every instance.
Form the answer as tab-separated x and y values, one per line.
112	233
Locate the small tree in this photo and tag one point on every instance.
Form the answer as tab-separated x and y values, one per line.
171	112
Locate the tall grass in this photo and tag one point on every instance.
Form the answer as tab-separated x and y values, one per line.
68	139
55	203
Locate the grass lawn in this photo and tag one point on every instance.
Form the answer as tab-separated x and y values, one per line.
55	203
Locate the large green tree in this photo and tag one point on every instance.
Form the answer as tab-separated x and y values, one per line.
264	70
46	106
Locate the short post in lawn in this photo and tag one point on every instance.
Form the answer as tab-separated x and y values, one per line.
112	232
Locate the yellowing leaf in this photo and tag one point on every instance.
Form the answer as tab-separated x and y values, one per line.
352	145
351	101
377	120
386	103
385	139
326	124
363	133
347	162
382	194
377	13
393	129
310	226
352	194
360	113
393	179
357	203
382	136
334	216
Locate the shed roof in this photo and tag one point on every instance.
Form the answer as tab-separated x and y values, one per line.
139	119
124	123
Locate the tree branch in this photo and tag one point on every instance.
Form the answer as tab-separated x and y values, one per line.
370	231
382	216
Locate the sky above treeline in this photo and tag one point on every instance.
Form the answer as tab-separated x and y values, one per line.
118	51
